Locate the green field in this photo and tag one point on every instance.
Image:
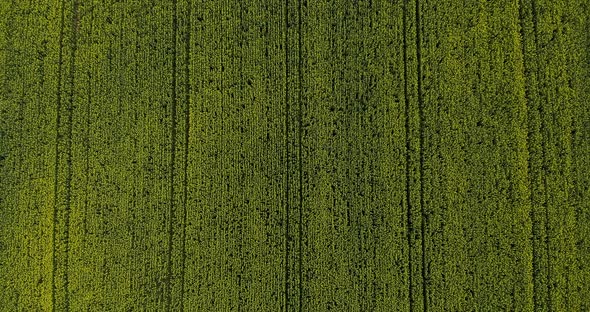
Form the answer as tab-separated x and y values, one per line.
294	155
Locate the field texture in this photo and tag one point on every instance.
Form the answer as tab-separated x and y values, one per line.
295	155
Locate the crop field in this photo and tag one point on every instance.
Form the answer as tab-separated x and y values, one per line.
295	155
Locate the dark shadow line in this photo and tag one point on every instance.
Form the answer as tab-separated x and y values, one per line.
300	153
172	158
56	173
407	125
421	115
75	25
187	111
300	138
534	233
544	156
287	154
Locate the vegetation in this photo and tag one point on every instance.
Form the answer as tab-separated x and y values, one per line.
295	155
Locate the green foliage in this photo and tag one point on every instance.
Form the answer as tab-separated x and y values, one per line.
294	155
